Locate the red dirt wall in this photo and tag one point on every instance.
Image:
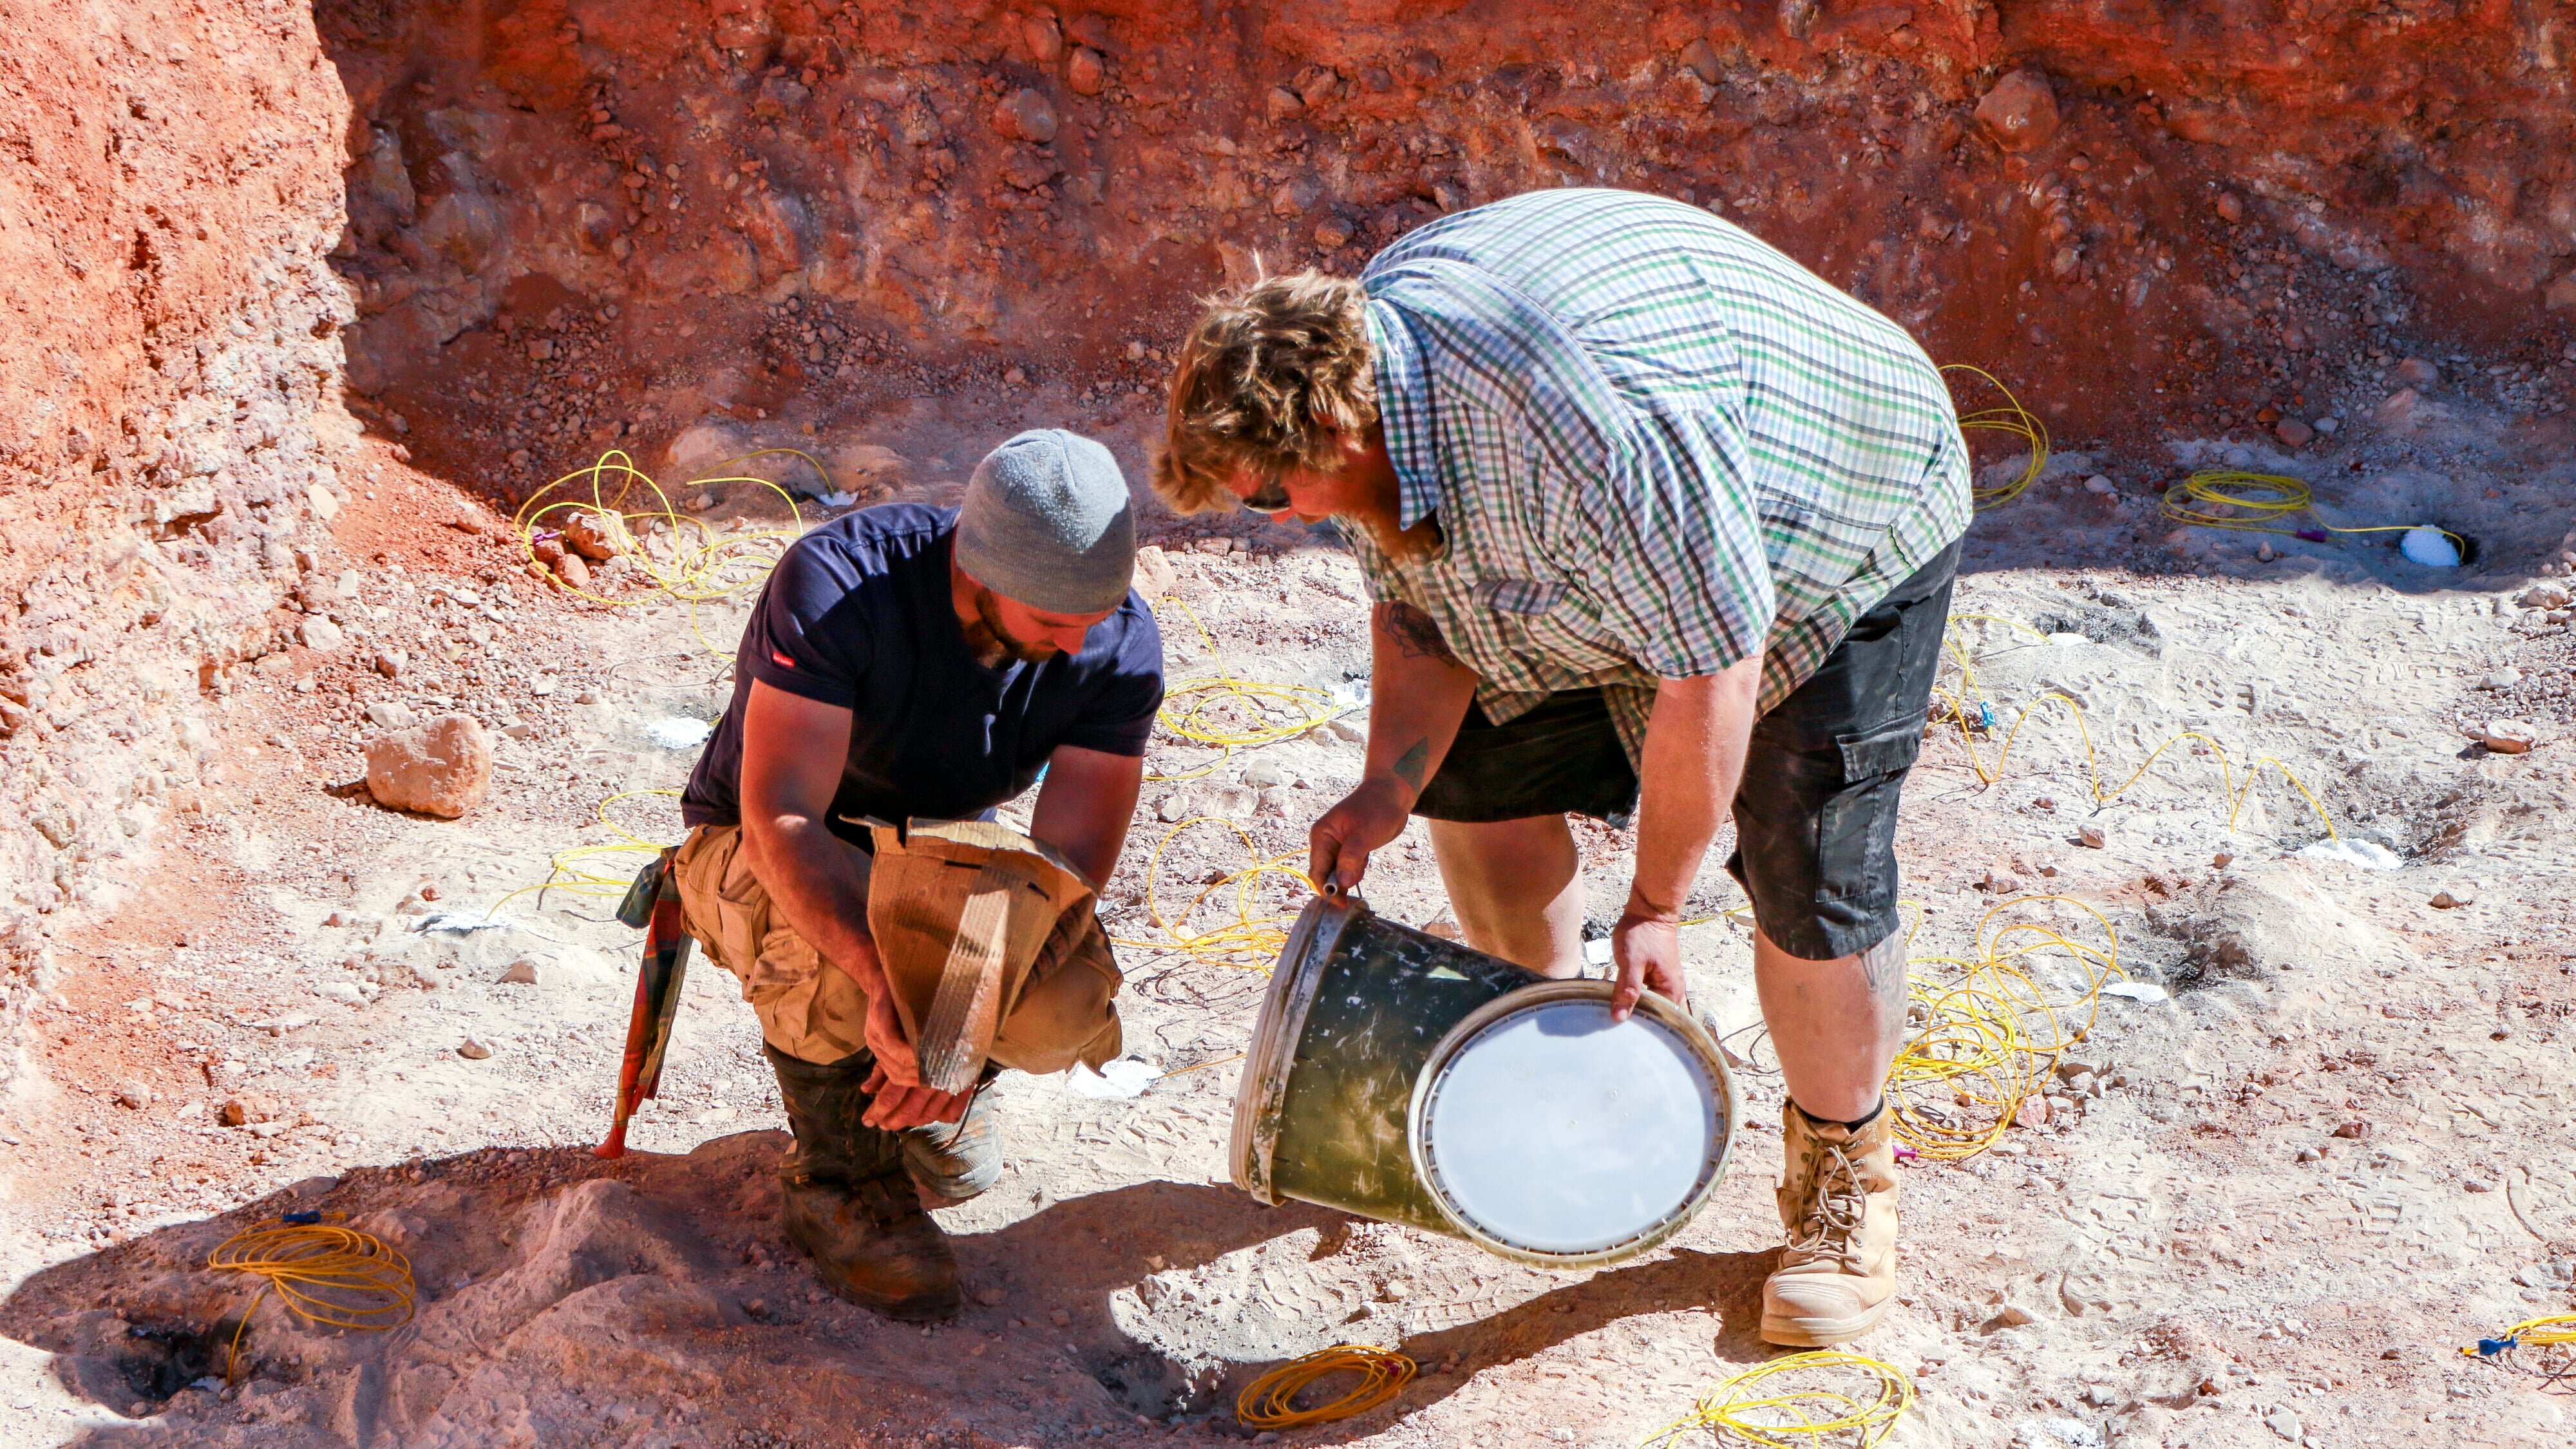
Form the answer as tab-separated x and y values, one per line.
633	216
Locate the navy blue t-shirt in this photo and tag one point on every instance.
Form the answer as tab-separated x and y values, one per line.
857	615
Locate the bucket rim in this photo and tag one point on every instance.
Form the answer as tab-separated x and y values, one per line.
1664	1013
1261	1088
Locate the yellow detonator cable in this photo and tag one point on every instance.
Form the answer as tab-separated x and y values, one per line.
2251	502
1850	1398
327	1274
2012	419
627	507
1269	1402
1279	711
1249	942
1960	714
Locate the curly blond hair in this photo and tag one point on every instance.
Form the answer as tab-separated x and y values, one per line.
1267	379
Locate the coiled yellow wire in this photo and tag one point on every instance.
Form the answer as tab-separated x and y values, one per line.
1283	711
1852	1397
2013	419
1269	1402
1249	942
324	1273
717	566
1991	1033
2250	502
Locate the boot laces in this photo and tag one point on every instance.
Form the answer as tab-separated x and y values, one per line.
1836	1204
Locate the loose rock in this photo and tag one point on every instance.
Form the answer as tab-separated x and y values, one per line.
2416	373
1087	74
2091	835
320	633
472	1050
2020	112
584	535
441	768
2510	736
521	973
1026	116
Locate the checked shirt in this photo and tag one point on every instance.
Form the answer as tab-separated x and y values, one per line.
1653	444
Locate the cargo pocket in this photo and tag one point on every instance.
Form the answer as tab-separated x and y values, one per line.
1065	1013
741	910
1856	830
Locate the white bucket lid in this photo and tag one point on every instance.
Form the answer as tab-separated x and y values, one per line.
1548	1132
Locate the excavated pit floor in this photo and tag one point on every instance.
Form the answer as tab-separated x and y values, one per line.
2158	1266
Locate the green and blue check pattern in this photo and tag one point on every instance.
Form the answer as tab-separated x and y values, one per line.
1654	445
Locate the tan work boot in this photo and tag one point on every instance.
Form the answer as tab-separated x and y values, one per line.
1838	1201
847	1202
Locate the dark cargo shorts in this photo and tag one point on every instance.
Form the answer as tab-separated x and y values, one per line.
1815	814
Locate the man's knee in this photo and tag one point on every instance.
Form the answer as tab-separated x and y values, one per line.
1067	1012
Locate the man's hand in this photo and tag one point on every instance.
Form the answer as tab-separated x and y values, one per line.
1418	697
1339	845
900	1100
1648	953
1695	742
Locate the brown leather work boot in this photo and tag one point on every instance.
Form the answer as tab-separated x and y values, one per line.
1838	1201
847	1202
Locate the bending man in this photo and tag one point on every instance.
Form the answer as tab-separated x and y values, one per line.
911	663
1637	497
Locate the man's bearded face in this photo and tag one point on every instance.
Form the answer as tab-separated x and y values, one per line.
993	643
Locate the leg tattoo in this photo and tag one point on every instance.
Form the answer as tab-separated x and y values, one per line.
1883	967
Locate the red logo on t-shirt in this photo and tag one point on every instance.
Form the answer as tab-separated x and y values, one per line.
781	660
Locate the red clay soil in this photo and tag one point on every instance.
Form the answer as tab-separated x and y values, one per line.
568	221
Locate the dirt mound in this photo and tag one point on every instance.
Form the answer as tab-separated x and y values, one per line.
2269	919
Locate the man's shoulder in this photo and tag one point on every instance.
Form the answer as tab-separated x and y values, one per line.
887	539
1129	641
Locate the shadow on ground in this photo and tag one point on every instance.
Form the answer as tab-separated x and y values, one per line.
569	1296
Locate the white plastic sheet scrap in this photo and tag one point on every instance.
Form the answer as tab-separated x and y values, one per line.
679	732
1125	1077
2137	991
2368	855
2056	1433
455	922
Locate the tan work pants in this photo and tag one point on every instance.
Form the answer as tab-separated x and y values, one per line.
813	1011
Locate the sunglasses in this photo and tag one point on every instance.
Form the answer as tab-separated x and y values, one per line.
1271	497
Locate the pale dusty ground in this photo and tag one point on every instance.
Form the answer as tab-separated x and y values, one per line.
2156	1267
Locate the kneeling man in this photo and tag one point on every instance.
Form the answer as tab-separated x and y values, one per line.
915	664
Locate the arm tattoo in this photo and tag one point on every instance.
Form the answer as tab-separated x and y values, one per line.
1414	632
1409	765
1883	967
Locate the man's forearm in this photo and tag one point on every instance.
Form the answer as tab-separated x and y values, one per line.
1418	692
818	881
1694	755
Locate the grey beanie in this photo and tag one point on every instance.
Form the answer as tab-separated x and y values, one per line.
1046	522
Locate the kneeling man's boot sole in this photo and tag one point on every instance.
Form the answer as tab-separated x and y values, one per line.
1837	1277
848	1203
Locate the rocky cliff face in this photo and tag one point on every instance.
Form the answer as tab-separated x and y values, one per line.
170	189
576	222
